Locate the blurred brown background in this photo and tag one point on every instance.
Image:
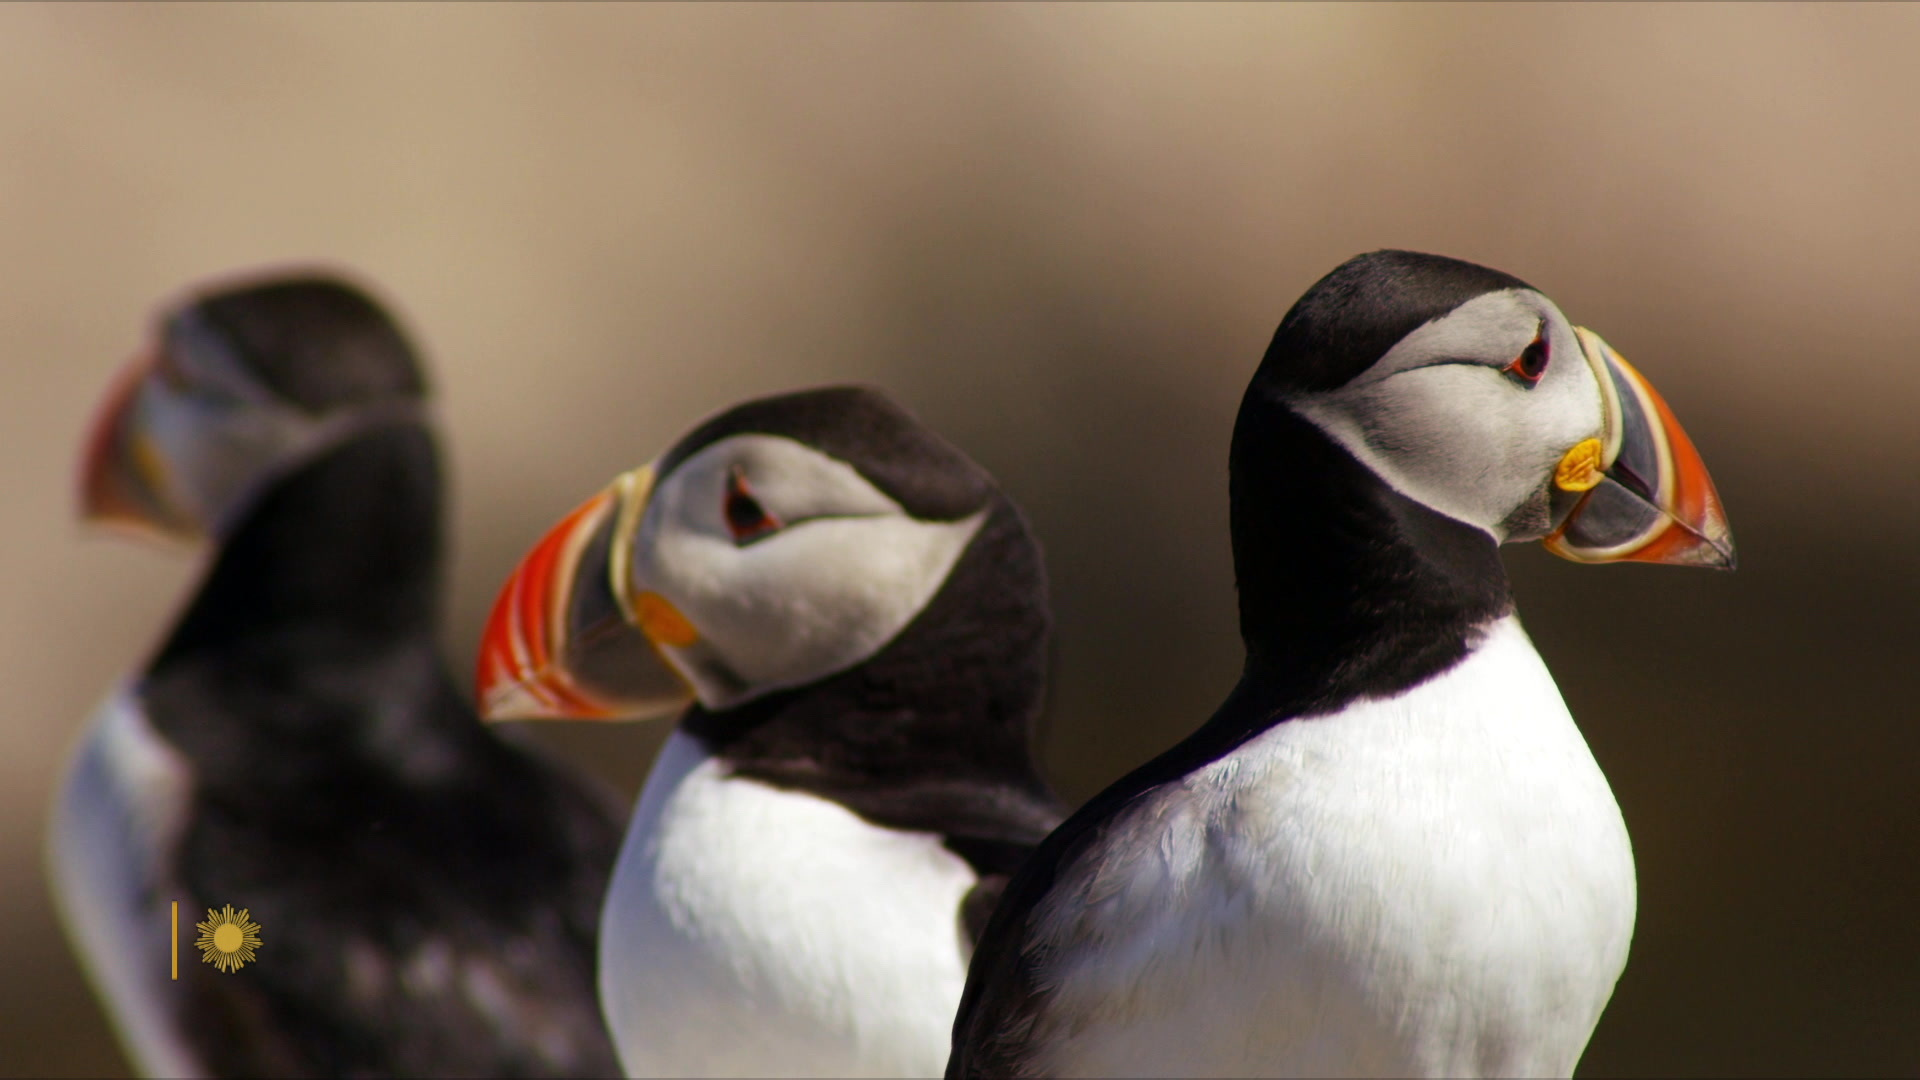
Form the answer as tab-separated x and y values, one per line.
1063	236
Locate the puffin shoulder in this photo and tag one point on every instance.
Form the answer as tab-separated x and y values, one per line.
1057	901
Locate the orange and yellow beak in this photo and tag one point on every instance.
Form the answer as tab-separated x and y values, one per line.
121	474
562	642
1640	492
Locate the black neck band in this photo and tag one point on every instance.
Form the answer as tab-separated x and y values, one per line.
932	732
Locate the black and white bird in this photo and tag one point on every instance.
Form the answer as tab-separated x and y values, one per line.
1389	852
859	615
427	894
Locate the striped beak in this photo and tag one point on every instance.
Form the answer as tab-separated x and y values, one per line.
1640	492
561	643
121	472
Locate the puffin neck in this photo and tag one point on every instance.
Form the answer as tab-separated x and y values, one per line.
1347	588
932	732
343	549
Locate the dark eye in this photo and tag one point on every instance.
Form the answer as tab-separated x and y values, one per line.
746	518
1531	363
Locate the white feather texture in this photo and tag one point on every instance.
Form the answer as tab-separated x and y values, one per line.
118	813
751	931
1437	884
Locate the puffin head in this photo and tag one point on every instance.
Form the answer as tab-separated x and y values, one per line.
779	543
1466	390
238	385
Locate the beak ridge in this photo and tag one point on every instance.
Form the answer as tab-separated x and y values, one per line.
560	643
517	678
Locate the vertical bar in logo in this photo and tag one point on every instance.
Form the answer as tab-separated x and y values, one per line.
176	940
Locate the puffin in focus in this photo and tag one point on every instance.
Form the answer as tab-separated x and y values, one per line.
854	618
1390	851
427	894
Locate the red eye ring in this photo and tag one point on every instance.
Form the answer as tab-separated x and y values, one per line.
746	519
1531	364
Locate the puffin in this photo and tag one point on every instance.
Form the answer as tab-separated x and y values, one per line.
424	894
1389	852
849	618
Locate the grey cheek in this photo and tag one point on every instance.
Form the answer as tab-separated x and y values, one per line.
1533	518
706	665
722	674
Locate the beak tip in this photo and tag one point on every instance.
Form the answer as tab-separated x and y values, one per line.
497	702
1729	558
97	496
1710	556
1714	538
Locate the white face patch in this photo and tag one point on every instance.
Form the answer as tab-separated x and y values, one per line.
210	423
845	570
1440	421
222	437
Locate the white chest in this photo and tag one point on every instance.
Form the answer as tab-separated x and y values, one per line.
760	932
1437	884
113	827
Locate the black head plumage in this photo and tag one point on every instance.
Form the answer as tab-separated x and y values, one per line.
929	477
1351	317
317	341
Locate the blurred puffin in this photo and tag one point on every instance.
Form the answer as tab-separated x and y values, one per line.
427	894
1390	851
859	615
